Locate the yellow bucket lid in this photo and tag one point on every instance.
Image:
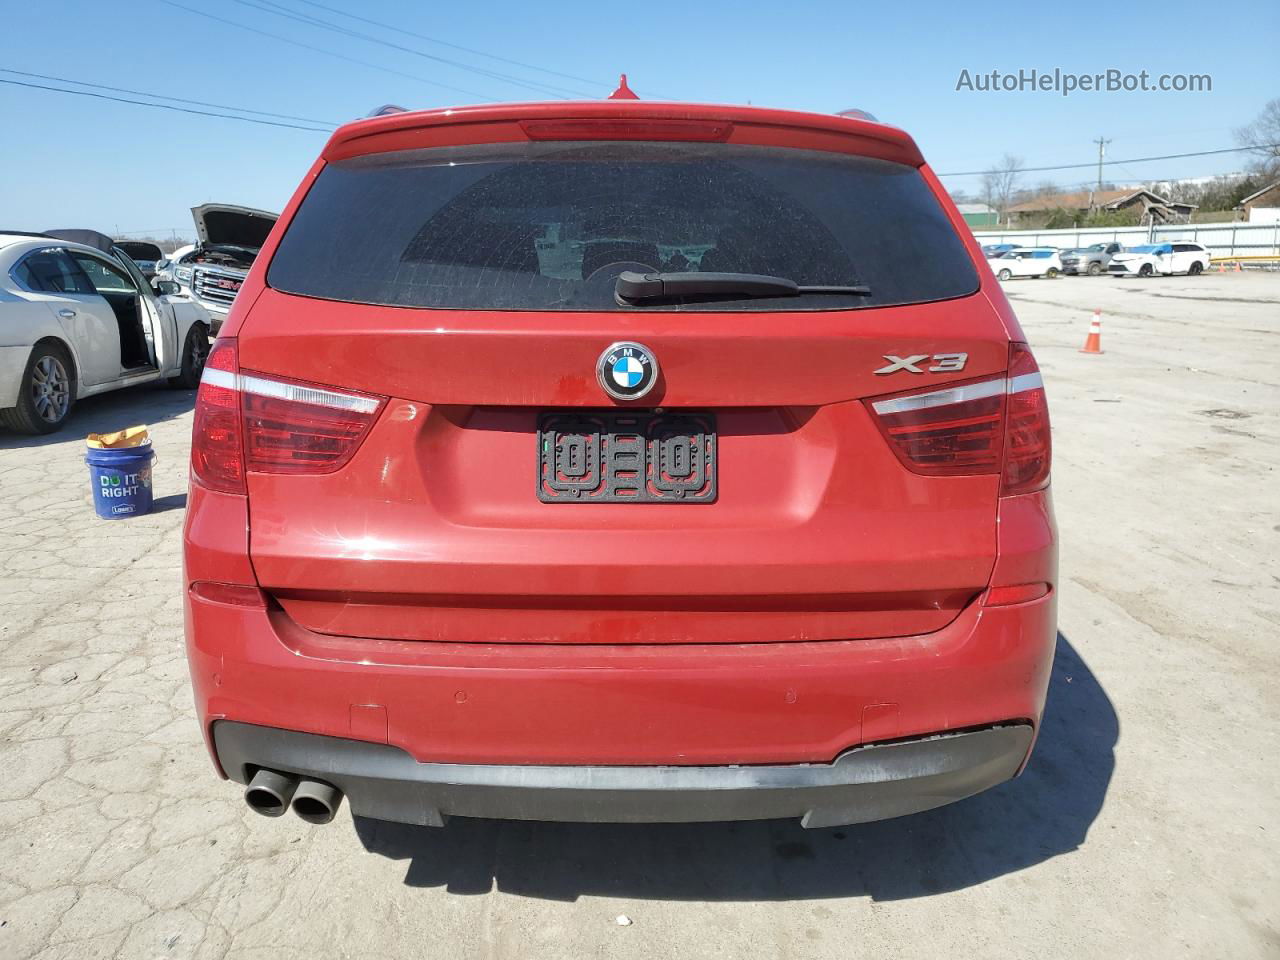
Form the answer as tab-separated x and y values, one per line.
128	437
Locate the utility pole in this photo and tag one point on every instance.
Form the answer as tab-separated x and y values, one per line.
1102	152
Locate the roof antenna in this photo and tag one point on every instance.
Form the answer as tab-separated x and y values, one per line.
623	92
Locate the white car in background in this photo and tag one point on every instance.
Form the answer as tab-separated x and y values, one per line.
172	267
1165	259
77	319
1027	262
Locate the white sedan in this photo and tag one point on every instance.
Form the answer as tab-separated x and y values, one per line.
77	319
1027	262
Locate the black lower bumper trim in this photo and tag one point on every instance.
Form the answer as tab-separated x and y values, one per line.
863	784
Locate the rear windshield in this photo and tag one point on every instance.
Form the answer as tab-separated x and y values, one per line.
550	226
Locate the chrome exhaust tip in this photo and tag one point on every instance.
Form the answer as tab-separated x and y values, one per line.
269	792
316	802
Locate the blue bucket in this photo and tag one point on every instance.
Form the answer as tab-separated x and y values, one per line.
121	480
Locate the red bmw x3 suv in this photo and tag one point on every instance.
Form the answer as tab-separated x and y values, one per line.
619	461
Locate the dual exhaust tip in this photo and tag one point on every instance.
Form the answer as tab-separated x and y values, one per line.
271	794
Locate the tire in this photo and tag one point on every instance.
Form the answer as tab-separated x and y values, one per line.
1145	270
195	351
48	391
1052	273
1004	274
1197	268
1095	269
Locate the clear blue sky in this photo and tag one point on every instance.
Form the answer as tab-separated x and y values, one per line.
76	161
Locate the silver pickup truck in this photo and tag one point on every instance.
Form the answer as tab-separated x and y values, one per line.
213	270
1092	259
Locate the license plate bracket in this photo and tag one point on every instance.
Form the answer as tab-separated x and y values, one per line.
627	456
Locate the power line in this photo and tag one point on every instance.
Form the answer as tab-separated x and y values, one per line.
330	53
452	46
280	10
160	96
1082	166
161	106
343	31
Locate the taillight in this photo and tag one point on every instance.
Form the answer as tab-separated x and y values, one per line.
293	427
217	448
1027	445
248	421
989	426
946	432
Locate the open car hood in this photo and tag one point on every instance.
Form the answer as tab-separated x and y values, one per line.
220	223
139	250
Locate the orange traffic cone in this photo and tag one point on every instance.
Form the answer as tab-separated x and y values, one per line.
1222	267
1238	267
1093	342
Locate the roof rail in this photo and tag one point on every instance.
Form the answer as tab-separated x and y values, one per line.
386	110
853	113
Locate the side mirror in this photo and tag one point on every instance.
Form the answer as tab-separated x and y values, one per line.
166	288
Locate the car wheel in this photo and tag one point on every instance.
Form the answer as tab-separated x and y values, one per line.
1145	270
1095	269
48	392
1052	273
194	353
1004	274
1196	269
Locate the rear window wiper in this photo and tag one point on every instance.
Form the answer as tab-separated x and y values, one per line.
636	289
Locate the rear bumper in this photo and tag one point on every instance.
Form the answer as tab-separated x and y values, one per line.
863	784
645	705
527	706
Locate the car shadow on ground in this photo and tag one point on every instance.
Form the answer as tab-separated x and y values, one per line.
174	501
150	403
1044	813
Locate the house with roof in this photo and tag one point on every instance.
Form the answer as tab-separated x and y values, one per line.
1150	207
1262	206
978	214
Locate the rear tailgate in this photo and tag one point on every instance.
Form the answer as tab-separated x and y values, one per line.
386	283
434	529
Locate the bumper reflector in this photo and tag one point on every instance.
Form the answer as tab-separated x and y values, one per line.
1017	593
235	594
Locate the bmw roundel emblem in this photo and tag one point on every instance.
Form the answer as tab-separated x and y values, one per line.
627	371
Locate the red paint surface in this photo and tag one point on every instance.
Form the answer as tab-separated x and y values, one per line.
422	595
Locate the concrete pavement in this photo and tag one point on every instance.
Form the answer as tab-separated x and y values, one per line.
1147	824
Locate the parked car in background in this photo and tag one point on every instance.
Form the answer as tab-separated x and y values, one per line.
1092	259
230	238
1027	262
501	505
174	267
78	319
145	255
1160	258
993	250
